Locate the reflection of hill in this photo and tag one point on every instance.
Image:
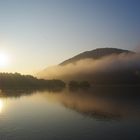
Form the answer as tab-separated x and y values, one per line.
99	102
98	106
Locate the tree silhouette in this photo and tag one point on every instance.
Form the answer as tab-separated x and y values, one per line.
16	80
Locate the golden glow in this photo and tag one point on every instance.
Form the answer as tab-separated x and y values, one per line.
1	105
4	59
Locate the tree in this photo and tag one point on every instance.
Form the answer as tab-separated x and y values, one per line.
84	84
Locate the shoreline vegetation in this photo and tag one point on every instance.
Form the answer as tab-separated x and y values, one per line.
19	81
16	85
75	85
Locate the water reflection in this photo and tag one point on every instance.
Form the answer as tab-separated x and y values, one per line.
1	105
16	93
97	106
82	114
100	103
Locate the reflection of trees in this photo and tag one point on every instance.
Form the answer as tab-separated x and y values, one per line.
16	92
26	92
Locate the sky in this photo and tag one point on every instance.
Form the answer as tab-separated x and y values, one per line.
35	34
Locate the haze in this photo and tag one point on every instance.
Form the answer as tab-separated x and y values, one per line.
92	69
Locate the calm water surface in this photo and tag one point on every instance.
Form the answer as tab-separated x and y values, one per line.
68	115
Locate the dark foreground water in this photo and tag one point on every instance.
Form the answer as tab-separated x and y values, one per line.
70	115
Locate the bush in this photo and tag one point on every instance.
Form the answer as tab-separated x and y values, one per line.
73	84
82	84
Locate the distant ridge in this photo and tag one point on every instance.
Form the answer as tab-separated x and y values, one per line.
95	54
112	67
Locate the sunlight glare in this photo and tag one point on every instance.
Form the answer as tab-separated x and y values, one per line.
1	105
4	59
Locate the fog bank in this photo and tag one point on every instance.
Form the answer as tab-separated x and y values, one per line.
96	69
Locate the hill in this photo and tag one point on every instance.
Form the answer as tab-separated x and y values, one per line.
95	54
103	66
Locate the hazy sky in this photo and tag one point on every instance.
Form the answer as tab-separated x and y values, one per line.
39	33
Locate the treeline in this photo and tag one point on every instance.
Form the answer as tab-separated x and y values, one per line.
78	85
16	80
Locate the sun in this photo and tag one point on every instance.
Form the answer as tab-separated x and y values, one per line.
4	59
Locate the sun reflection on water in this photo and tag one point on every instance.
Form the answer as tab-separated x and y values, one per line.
1	105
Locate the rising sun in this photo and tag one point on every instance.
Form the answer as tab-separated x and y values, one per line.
4	59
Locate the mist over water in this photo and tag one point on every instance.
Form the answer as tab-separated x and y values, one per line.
88	69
